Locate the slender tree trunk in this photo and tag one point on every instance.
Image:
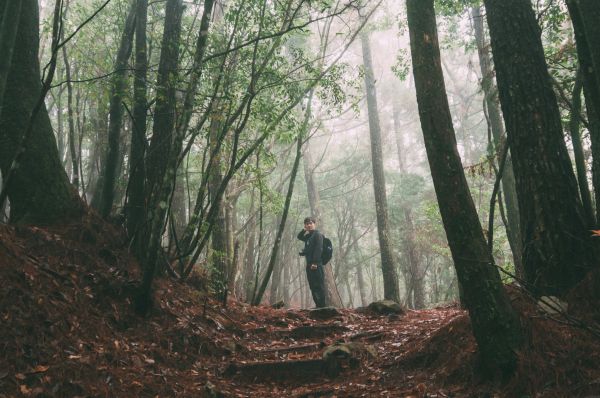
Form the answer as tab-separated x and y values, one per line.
219	238
276	279
495	324
249	254
415	280
164	112
119	85
286	208
71	121
38	190
490	92
100	128
388	265
580	166
594	130
161	155
135	208
8	32
585	15
557	248
286	279
587	36
60	136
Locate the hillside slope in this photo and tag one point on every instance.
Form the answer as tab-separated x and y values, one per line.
68	330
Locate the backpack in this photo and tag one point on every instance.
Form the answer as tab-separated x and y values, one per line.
327	250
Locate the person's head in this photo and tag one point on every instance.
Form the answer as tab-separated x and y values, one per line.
310	223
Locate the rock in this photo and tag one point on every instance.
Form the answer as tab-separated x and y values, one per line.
385	307
341	355
552	305
278	305
324	313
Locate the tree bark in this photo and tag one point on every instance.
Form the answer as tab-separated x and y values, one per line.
388	264
557	248
39	190
495	324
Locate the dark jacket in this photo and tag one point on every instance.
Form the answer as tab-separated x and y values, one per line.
313	246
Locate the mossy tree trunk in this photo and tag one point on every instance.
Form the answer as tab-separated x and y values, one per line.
495	324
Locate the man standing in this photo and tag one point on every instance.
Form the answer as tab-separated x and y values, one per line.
313	249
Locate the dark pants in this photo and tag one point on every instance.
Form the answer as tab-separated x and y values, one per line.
316	281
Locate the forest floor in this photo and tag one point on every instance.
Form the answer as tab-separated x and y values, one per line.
68	330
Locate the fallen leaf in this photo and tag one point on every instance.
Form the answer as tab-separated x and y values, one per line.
40	369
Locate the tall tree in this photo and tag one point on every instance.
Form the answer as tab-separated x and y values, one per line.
495	324
119	84
388	264
557	249
160	153
415	283
496	126
38	189
135	208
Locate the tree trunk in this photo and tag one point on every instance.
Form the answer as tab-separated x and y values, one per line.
388	265
495	324
119	86
594	130
495	124
580	166
250	245
585	15
135	208
160	149
286	208
585	40
219	238
557	248
8	32
415	280
38	190
160	155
